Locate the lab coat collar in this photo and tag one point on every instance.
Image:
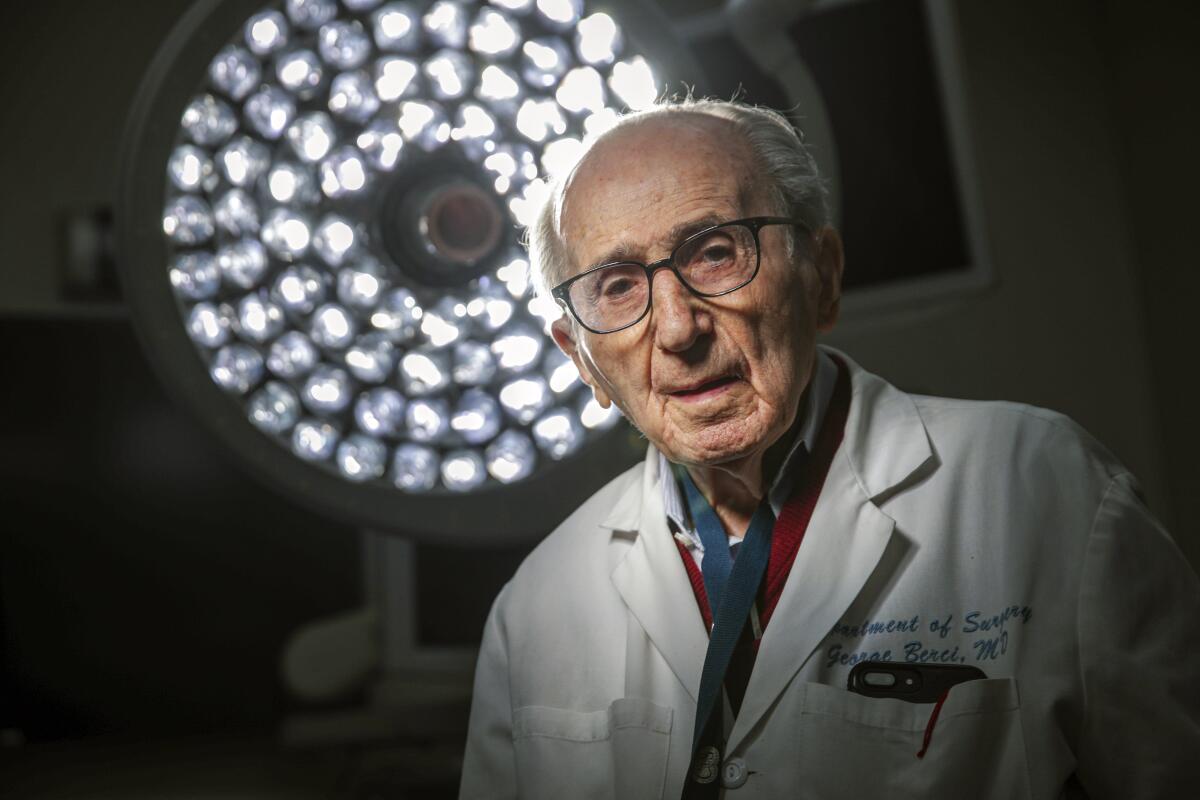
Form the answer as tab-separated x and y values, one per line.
653	582
885	439
626	513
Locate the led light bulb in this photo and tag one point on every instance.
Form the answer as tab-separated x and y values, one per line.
236	368
258	319
236	213
463	470
243	160
208	325
476	418
561	373
596	417
558	433
311	136
539	119
195	275
242	263
292	355
372	358
415	468
473	123
394	78
560	157
634	83
497	85
361	285
474	364
343	172
335	239
311	14
427	420
581	89
286	234
543	61
449	73
397	315
525	398
561	14
269	111
327	390
333	327
424	373
517	349
493	34
314	440
187	220
352	96
300	72
395	27
190	169
511	457
518	6
441	325
381	144
299	289
291	184
344	45
515	277
445	24
361	458
424	124
266	32
274	408
598	39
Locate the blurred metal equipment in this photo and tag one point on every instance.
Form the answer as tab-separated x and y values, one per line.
317	230
415	693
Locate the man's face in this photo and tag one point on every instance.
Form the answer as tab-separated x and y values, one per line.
707	380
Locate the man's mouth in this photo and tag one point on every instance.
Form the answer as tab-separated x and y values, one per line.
705	389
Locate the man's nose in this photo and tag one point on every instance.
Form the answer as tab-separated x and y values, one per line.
677	315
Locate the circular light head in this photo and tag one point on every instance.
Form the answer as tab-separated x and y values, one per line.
340	188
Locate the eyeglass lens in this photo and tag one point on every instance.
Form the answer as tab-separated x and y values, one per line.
712	263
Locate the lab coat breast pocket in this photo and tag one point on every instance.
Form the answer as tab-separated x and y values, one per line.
853	746
617	752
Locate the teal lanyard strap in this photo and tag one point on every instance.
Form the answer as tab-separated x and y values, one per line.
730	585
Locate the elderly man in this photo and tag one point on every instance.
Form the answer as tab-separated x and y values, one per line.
691	629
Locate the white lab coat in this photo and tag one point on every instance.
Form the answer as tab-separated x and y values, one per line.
991	534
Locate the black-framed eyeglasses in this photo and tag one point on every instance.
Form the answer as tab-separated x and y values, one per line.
710	263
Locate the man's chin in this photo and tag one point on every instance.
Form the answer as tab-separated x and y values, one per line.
714	447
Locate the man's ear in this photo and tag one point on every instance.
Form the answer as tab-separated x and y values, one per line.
565	336
829	260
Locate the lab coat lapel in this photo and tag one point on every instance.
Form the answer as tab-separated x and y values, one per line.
885	443
653	582
841	548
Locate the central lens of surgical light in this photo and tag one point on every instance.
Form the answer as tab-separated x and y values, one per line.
462	222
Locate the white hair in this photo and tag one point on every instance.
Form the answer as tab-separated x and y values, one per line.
794	187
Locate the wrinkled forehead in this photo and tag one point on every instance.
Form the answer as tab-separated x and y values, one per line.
644	180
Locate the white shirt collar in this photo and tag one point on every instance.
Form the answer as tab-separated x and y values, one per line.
816	402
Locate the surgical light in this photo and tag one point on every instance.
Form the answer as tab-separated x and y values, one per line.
340	192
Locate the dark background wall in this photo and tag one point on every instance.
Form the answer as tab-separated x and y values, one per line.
118	620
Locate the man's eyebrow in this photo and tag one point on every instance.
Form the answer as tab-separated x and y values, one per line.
624	251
